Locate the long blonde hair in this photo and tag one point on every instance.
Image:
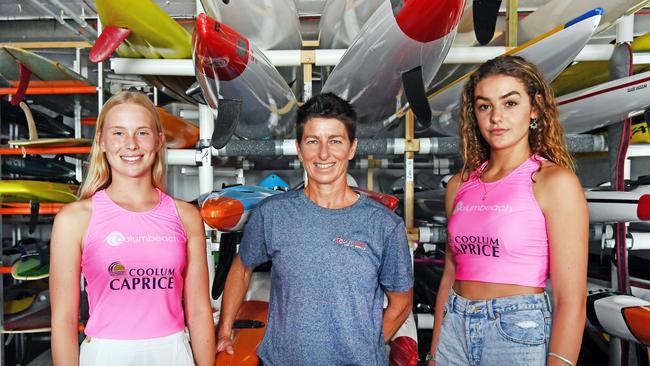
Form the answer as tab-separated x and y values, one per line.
98	176
547	140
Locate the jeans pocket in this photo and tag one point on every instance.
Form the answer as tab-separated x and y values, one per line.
523	326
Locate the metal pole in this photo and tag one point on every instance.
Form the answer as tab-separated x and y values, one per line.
206	179
100	76
456	55
437	166
618	348
391	146
77	134
206	126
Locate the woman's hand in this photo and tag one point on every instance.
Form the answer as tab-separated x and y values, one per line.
237	282
224	343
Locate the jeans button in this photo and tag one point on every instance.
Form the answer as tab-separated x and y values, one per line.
470	307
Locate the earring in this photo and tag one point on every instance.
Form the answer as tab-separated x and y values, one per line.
533	123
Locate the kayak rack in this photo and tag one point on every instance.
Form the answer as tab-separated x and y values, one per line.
44	150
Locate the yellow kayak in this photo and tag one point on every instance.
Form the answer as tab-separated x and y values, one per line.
640	133
30	190
589	73
140	29
17	305
154	34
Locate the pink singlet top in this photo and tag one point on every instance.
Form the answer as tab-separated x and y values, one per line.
133	263
497	231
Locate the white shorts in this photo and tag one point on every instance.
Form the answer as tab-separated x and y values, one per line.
172	350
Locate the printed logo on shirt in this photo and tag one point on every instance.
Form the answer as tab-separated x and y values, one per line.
116	269
116	238
475	245
359	245
140	278
481	208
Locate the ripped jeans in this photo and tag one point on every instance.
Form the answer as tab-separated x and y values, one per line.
511	330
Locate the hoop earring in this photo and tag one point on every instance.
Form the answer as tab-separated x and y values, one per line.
533	123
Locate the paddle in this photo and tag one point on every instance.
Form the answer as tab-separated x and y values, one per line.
485	14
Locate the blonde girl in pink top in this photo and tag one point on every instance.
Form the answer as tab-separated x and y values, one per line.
141	252
516	213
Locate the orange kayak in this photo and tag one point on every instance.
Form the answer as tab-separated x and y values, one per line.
179	134
250	326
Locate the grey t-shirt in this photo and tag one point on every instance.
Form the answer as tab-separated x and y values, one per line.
330	268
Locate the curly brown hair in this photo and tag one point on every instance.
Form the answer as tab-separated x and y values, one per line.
547	140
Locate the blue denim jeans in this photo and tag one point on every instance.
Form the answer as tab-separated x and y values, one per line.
508	331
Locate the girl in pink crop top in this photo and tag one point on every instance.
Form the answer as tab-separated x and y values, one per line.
141	253
510	246
516	213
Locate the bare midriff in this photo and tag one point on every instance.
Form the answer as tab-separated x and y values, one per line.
475	290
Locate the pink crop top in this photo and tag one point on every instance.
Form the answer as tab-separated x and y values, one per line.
497	231
133	263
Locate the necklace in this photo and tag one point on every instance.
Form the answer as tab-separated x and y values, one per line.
486	191
503	178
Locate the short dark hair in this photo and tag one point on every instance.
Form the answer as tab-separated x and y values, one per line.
327	105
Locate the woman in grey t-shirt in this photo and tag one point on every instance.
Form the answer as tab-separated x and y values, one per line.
335	254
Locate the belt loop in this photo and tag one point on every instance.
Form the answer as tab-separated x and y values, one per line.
490	309
452	300
549	306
